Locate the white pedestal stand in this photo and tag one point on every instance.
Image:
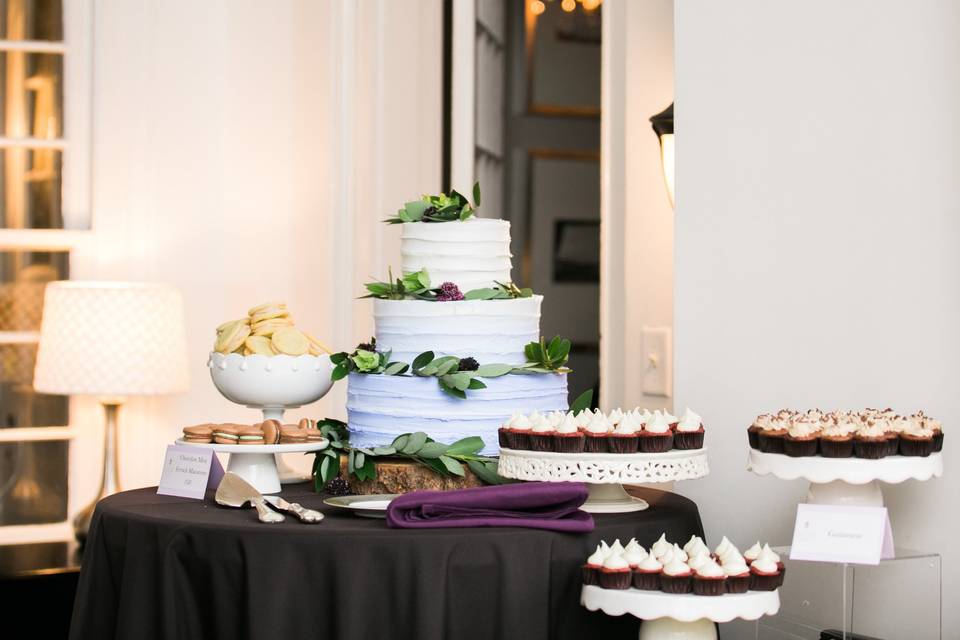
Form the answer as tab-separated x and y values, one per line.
846	481
679	617
257	463
272	384
605	473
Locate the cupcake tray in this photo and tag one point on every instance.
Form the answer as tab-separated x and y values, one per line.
853	481
256	463
605	473
685	616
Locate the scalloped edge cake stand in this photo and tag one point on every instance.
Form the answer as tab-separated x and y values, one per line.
272	384
605	473
257	463
680	617
846	481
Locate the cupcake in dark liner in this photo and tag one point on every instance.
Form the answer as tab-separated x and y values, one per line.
937	441
752	553
709	580
503	437
647	580
689	431
764	578
936	427
655	442
738	577
595	442
801	446
623	439
836	441
916	443
672	420
541	437
870	441
615	573
771	440
518	432
569	442
677	577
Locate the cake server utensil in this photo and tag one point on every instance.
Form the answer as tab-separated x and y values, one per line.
310	516
234	491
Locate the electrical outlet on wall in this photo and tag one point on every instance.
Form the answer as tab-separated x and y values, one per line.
657	361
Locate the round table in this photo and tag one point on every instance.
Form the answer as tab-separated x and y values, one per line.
165	567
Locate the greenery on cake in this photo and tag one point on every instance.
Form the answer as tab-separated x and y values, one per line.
438	208
455	375
417	286
365	359
418	447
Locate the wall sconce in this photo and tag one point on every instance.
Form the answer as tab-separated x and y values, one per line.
663	127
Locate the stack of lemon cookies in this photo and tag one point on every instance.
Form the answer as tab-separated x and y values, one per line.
267	330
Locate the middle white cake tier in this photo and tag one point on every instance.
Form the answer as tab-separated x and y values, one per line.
471	254
488	330
379	408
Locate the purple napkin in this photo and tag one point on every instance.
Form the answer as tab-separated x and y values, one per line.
535	505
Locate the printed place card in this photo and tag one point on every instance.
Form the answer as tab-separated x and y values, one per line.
840	533
189	471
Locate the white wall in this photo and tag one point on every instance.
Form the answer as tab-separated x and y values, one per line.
818	212
245	153
637	277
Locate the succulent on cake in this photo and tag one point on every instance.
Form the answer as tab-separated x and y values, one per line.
365	359
438	208
444	459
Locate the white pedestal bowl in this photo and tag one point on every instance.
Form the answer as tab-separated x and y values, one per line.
272	384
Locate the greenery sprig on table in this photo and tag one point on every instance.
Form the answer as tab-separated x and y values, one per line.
417	286
438	208
444	459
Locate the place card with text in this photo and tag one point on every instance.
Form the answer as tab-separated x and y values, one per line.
189	471
841	533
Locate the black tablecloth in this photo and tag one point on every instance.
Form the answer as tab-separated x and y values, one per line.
171	568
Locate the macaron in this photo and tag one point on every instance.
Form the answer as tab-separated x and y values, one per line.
200	434
226	434
307	423
292	434
314	435
271	431
250	435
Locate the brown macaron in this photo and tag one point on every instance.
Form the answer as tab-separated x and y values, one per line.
271	431
314	435
250	435
292	434
226	434
307	423
200	433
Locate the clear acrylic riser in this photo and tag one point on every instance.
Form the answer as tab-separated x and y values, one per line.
896	600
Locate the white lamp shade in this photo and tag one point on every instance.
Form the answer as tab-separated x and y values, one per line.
111	339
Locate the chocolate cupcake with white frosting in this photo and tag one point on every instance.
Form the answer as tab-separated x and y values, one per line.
709	580
615	572
677	577
771	435
596	434
519	432
764	574
656	436
623	438
567	438
541	433
591	569
916	440
802	437
870	441
738	576
689	431
646	576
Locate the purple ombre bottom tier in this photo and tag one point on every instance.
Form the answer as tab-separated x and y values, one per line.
379	408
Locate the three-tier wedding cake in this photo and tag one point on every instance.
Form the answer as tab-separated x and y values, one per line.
474	254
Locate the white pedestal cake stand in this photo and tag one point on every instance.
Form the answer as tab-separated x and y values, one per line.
679	617
272	384
605	473
257	463
846	481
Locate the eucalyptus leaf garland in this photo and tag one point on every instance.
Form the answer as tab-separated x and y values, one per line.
444	459
417	286
455	376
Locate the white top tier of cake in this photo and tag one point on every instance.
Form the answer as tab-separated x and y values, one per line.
492	331
472	254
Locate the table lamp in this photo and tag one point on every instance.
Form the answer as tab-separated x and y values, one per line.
110	340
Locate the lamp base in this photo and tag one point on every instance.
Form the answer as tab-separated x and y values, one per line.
110	476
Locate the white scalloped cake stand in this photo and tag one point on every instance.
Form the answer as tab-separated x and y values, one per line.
679	617
605	473
272	384
257	463
849	481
